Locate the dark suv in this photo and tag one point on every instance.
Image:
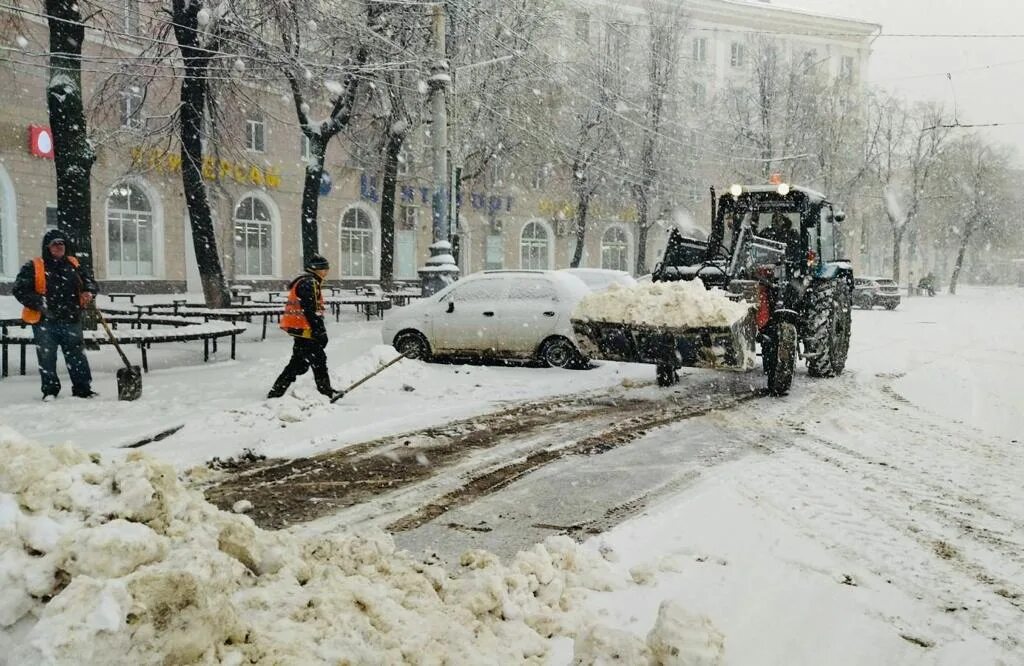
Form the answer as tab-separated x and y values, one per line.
871	291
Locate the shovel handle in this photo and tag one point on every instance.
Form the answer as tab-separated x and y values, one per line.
370	376
110	335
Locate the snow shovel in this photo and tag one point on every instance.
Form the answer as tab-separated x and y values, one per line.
340	394
129	378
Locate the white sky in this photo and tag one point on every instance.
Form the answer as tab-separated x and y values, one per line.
988	74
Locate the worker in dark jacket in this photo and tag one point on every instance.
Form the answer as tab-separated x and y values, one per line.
54	289
303	319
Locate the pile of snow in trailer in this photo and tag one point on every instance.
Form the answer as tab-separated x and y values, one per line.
680	305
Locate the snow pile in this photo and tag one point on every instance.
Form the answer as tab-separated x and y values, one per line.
117	562
685	304
679	638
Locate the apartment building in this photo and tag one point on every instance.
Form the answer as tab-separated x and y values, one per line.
511	218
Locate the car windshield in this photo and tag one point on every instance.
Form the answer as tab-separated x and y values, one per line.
887	282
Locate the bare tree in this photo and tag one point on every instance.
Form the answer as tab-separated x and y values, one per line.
662	65
73	154
982	179
196	54
308	48
911	142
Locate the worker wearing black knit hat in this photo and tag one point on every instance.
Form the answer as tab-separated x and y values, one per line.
303	319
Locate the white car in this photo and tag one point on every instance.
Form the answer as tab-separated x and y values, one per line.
497	314
599	279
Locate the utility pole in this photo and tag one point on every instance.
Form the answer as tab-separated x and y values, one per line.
440	269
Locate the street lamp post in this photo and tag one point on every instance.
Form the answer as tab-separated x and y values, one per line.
440	269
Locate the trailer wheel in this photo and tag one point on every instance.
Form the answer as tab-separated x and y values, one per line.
827	338
780	358
667	375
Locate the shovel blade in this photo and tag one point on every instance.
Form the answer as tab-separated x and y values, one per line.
129	383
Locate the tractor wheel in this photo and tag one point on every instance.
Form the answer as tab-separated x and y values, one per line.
827	334
413	345
780	358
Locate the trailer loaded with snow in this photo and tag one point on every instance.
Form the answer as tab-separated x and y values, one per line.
769	275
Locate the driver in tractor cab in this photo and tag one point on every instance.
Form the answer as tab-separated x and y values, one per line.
782	231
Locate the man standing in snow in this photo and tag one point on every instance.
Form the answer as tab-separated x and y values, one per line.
304	320
54	289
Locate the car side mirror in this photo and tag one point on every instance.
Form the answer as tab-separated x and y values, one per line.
451	307
839	216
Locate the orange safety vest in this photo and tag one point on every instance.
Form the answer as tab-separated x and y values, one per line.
30	316
294	318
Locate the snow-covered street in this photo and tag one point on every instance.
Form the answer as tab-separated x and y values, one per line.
872	518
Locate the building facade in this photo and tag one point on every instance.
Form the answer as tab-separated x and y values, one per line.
141	235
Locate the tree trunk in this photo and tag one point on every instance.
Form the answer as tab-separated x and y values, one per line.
193	101
311	197
387	210
73	156
897	249
960	255
580	218
642	213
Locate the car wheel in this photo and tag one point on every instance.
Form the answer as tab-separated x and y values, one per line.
412	344
560	353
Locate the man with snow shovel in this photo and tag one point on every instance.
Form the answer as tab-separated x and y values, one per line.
54	290
303	319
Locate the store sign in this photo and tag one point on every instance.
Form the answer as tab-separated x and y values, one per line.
40	141
212	169
566	210
492	203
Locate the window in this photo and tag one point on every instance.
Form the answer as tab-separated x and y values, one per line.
494	258
407	217
583	27
829	238
304	148
531	289
356	237
846	68
700	94
700	49
255	138
618	40
485	289
534	247
129	232
130	16
497	171
254	244
738	55
615	249
131	106
404	163
51	217
541	176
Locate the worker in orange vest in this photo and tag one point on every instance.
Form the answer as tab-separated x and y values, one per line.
303	319
54	289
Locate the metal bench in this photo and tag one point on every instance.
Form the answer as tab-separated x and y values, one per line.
17	332
113	296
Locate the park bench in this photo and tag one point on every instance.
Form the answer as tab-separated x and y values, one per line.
181	329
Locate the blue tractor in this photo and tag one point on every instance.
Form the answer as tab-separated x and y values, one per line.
778	247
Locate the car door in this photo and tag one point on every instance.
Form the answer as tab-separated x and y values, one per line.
466	323
528	316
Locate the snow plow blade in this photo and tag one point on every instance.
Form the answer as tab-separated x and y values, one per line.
718	348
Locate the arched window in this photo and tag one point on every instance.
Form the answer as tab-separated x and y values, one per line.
615	249
254	238
129	232
534	247
356	238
